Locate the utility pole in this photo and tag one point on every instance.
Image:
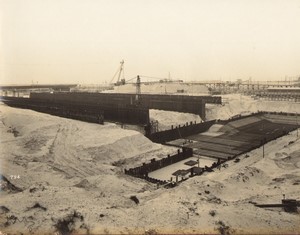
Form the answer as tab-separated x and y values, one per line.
263	140
263	148
138	90
297	124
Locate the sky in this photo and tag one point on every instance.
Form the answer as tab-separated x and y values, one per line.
83	41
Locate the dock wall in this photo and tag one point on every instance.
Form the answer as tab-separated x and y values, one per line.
180	132
89	112
179	103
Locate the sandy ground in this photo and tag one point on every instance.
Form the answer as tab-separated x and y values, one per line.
71	177
234	104
166	119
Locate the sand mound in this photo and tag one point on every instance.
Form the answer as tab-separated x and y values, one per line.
248	174
214	130
123	148
235	104
290	179
168	118
24	121
290	162
74	182
66	148
83	184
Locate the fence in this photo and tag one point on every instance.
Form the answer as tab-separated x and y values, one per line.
180	132
251	137
142	171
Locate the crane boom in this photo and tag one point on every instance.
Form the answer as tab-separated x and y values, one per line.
119	72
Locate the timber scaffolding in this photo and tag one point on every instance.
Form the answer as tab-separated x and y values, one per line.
265	88
279	95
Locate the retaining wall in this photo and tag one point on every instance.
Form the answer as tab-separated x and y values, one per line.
179	103
142	171
180	132
86	112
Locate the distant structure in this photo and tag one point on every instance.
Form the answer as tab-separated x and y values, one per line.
272	90
24	90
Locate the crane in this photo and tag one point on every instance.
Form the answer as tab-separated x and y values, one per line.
138	88
138	84
119	72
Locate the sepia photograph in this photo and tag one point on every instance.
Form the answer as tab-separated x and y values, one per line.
149	117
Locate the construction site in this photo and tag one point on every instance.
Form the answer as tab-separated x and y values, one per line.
139	147
149	117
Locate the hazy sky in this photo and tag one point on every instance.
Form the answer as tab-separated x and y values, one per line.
83	41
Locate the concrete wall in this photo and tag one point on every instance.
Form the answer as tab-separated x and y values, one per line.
179	103
180	132
158	164
80	110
